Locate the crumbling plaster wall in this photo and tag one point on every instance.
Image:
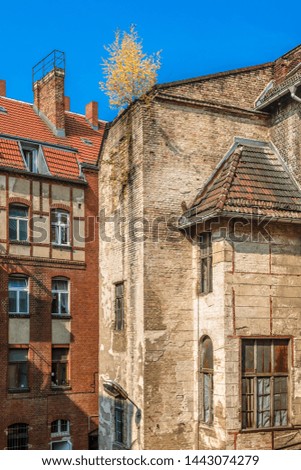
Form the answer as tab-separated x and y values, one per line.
182	146
262	299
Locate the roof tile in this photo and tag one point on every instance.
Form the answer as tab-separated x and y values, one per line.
252	179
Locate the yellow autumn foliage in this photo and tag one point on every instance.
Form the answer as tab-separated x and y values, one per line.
129	73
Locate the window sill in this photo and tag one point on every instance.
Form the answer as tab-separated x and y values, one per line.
60	387
18	390
62	247
203	294
19	242
204	425
18	315
119	446
288	427
58	316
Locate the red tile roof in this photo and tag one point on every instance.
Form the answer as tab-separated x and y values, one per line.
252	179
10	154
61	163
21	121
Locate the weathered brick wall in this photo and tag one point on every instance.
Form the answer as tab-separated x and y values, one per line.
157	155
285	133
121	259
262	300
286	64
42	404
182	146
239	88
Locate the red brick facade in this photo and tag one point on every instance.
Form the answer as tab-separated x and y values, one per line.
43	404
64	181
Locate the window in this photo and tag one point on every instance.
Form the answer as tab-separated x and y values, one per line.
17	437
31	159
206	371
18	223
119	420
18	369
61	445
264	383
119	306
60	297
18	295
206	263
60	227
59	374
34	159
60	427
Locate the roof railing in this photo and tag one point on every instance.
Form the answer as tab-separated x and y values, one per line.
54	60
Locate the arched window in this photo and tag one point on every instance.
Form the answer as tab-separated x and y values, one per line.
206	371
18	293
60	227
60	296
18	223
60	427
17	436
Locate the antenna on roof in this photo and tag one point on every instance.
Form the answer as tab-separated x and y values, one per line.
53	61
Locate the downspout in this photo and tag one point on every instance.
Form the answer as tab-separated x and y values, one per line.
292	90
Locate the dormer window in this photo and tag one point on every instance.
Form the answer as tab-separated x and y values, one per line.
34	158
31	159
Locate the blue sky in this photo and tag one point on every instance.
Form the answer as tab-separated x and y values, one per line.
195	37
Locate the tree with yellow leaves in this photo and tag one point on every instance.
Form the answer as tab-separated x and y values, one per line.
129	73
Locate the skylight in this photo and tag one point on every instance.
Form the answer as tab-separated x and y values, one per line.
86	141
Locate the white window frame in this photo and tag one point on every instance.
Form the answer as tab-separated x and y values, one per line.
18	290
59	292
17	218
60	432
60	226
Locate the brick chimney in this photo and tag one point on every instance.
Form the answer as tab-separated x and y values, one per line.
48	90
67	103
2	88
92	114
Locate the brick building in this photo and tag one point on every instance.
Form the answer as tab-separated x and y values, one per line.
200	313
49	269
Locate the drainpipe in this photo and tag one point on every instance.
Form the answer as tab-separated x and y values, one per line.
292	90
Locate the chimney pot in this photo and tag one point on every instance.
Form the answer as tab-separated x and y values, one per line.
92	114
2	88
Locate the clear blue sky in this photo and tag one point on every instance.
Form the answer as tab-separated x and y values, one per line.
196	38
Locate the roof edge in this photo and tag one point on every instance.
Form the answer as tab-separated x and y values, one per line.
213	76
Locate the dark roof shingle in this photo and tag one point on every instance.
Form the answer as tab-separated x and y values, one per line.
252	179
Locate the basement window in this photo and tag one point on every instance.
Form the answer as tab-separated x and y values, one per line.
17	436
265	369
